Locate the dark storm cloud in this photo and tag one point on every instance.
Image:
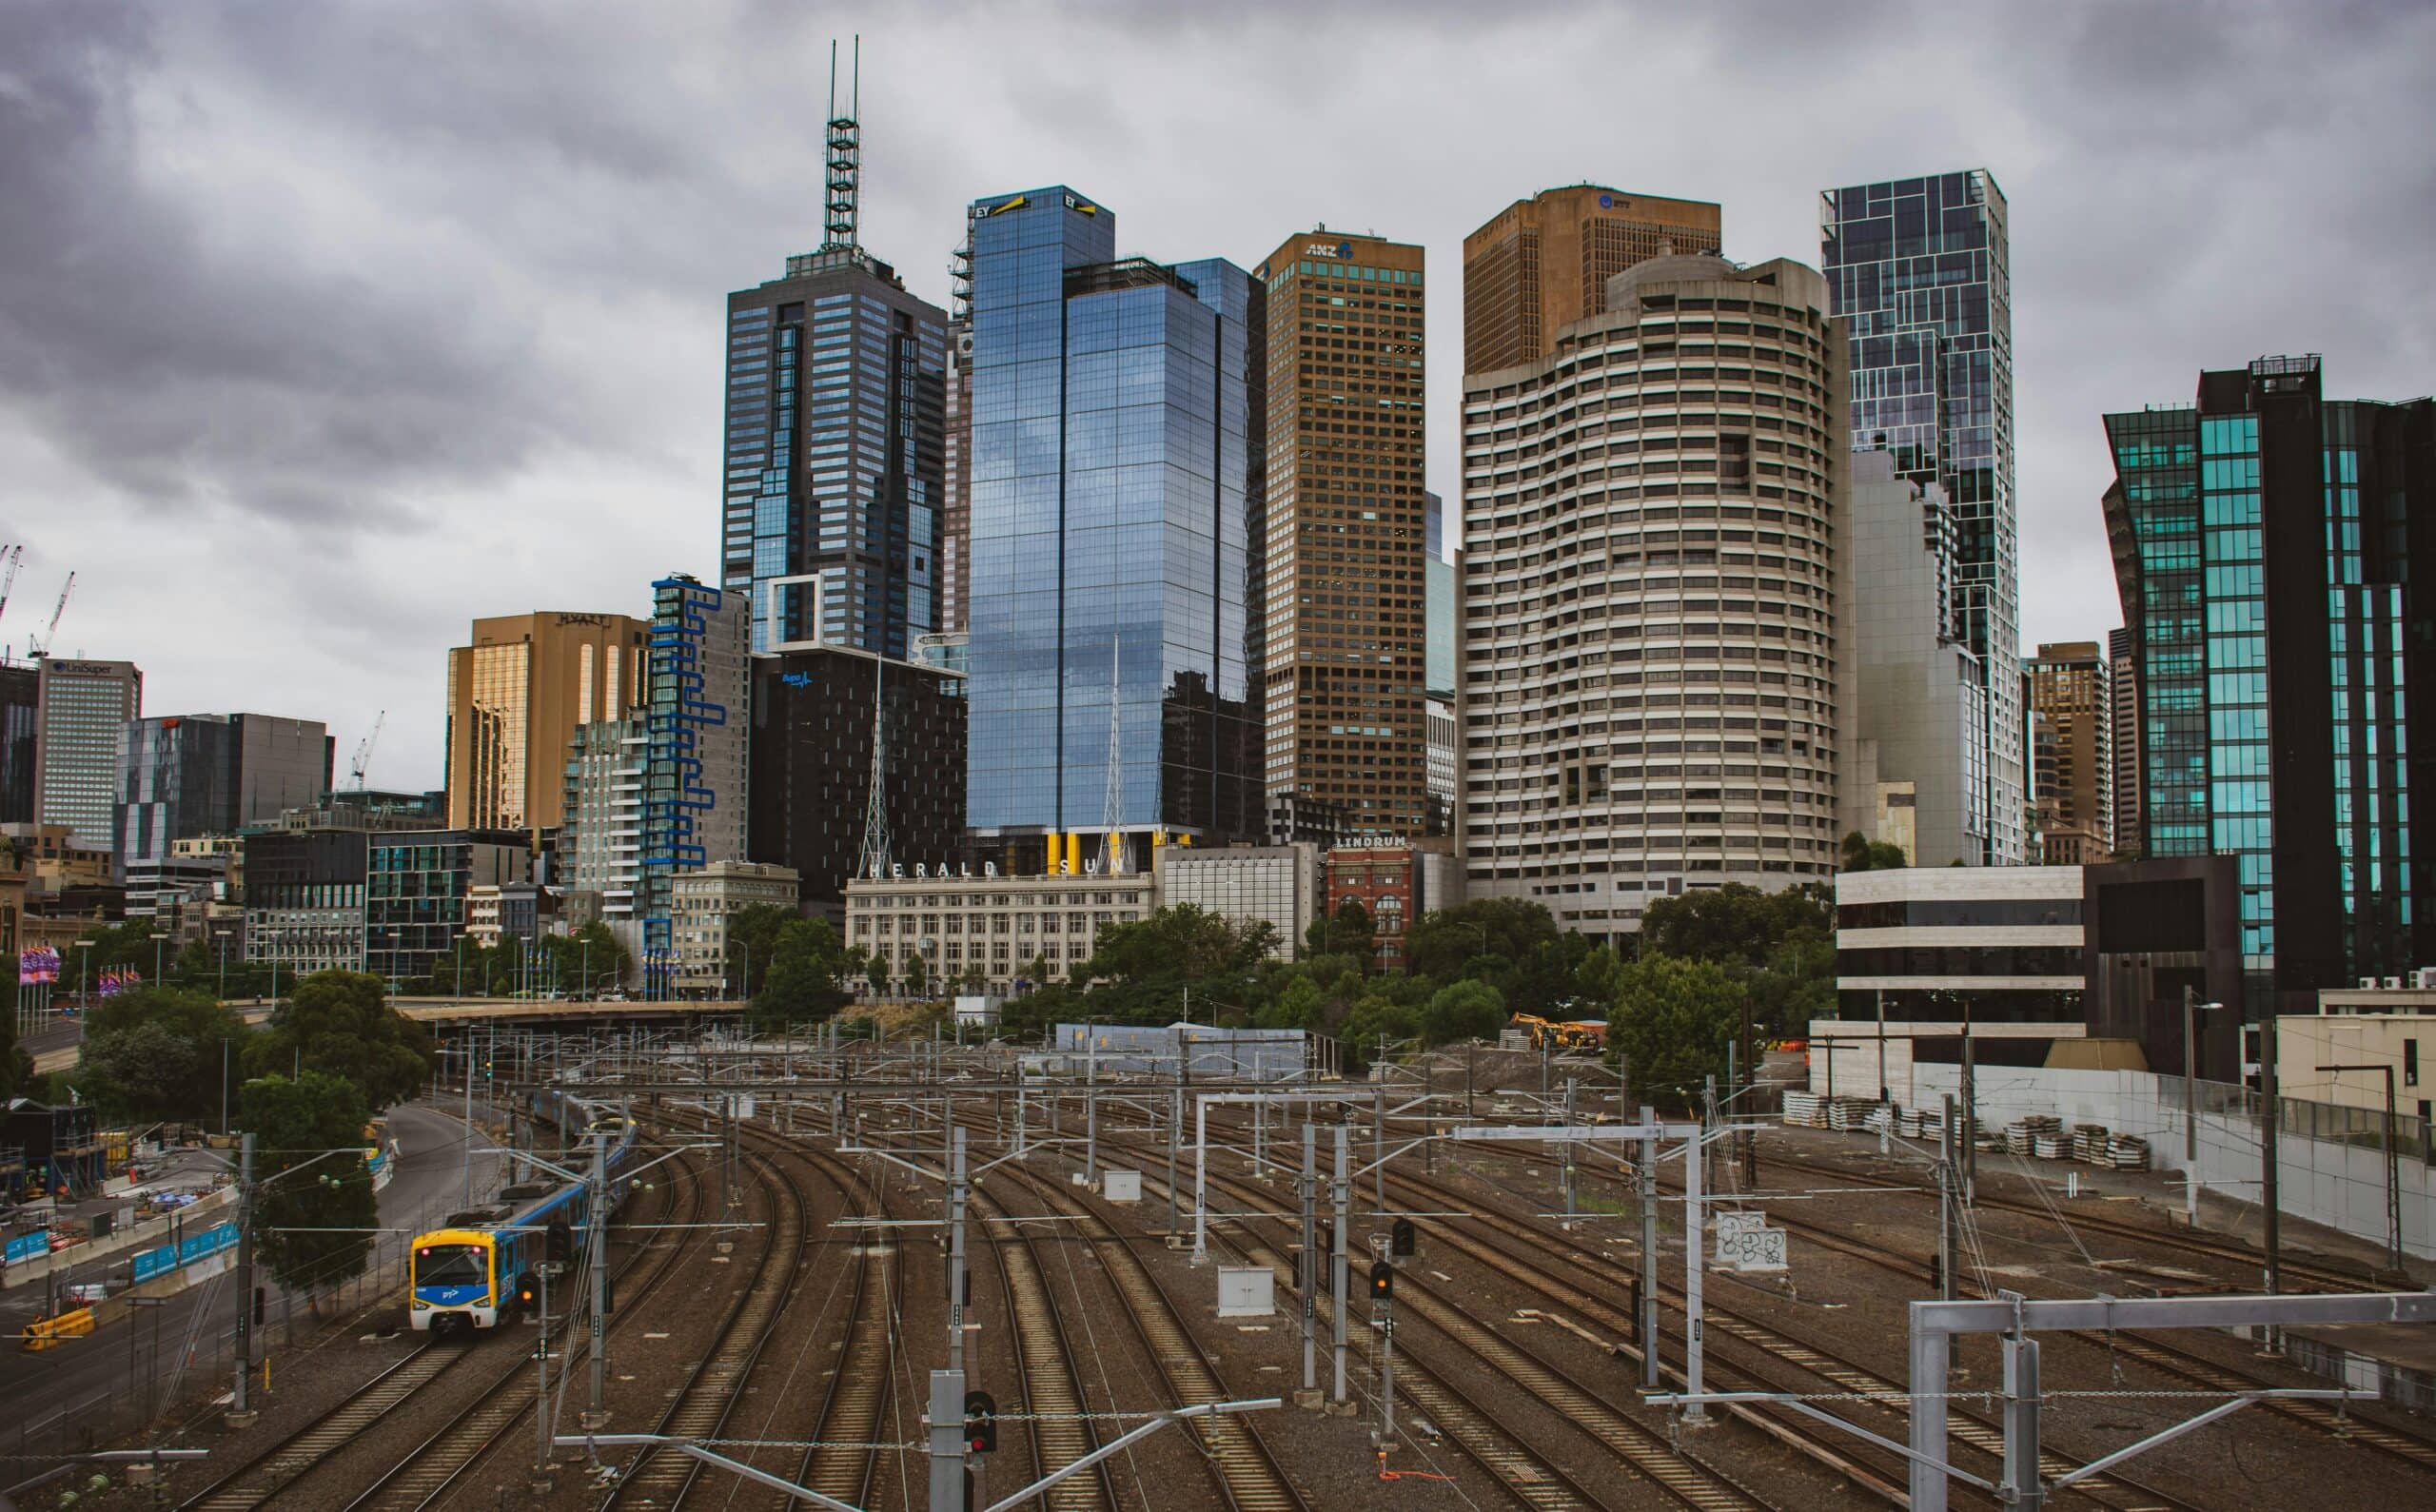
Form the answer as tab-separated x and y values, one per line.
377	317
173	367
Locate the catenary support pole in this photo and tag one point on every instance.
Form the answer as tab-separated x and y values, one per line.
1341	1194
946	1440
598	1213
1695	1271
245	1275
956	1283
2021	1424
1947	1247
1650	1249
1308	1268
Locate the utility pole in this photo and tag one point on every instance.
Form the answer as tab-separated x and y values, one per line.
1969	1146
2268	1110
469	1120
241	1415
1647	1186
542	1391
1340	1192
599	1243
1090	1108
1175	1137
1695	1272
956	1283
2393	1165
1947	1214
1307	1270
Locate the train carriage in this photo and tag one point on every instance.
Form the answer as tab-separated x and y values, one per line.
468	1273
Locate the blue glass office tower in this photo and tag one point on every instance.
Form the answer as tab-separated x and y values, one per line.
1116	493
1920	271
836	436
2263	545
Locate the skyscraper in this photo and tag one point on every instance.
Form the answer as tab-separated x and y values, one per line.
1440	576
86	706
836	387
1117	455
1918	269
694	768
514	697
1912	718
1649	674
187	775
2072	776
20	718
1346	585
1541	264
2265	548
2123	746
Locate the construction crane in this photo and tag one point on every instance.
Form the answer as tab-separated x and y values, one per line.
363	762
42	647
13	556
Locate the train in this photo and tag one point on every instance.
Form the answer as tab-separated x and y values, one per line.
484	1263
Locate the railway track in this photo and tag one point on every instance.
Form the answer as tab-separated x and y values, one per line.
1248	1475
843	1464
1052	1391
272	1472
2159	1354
1534	1480
1524	1256
421	1478
700	1408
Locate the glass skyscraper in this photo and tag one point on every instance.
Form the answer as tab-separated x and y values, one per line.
1116	456
835	429
1920	271
2263	544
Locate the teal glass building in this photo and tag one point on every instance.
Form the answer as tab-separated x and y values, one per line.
2263	541
1116	453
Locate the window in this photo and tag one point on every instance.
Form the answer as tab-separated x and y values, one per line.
2411	1063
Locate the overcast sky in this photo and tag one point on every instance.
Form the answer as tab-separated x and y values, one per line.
325	327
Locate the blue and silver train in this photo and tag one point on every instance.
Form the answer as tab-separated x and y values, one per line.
473	1271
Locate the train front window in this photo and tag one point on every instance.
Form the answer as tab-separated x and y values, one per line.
449	1265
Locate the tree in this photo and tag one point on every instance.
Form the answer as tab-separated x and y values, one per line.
1299	1007
805	979
1732	923
340	1023
1673	1021
154	1052
753	941
312	1227
1347	932
1462	1011
917	975
16	1067
1443	942
1861	854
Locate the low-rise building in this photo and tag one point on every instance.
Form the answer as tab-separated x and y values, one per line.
2379	1025
1396	883
304	908
990	930
416	887
507	910
1923	951
1278	885
52	859
702	901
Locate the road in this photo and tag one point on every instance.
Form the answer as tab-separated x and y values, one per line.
78	1378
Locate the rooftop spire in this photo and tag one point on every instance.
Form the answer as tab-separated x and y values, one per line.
845	156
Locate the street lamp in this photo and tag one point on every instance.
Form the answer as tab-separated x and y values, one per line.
2191	1007
223	936
158	937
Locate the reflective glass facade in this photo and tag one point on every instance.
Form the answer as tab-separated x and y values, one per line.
1919	270
835	435
1115	501
2262	543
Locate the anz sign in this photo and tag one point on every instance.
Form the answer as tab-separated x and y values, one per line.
1342	250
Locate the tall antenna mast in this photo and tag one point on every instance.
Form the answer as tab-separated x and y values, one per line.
845	156
875	857
1112	810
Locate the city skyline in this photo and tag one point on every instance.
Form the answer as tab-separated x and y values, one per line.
523	412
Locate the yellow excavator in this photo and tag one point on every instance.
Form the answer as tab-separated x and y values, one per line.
1567	1035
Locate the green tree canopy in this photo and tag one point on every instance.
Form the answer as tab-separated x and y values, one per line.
340	1023
1462	1011
1673	1021
804	983
1347	931
1861	854
1443	942
1178	943
753	941
154	1053
1732	923
296	1209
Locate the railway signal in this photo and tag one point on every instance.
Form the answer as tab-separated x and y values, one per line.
1404	1241
980	1422
1382	1280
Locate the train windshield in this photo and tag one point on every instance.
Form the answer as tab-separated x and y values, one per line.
449	1265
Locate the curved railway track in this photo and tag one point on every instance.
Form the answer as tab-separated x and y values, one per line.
1531	1478
1248	1476
1524	1253
1052	1391
273	1471
700	1408
844	1464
